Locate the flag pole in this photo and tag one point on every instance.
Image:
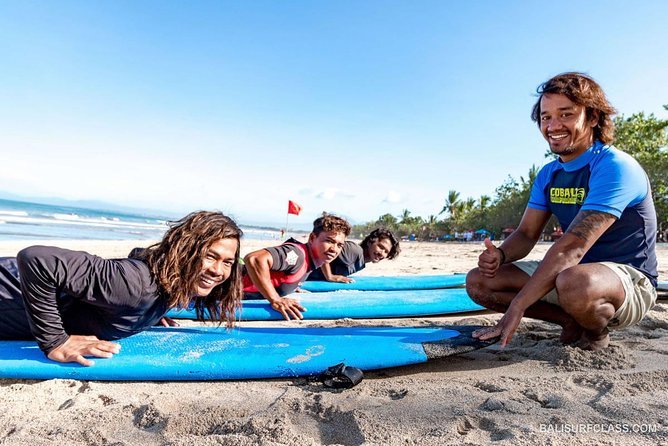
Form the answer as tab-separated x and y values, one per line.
286	223
293	208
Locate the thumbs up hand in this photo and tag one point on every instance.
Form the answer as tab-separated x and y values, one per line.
490	259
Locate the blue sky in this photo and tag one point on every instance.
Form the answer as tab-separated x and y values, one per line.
355	107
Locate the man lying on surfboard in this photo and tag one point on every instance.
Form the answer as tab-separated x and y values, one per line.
379	245
601	274
73	303
278	271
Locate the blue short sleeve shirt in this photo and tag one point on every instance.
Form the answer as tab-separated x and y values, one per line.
607	180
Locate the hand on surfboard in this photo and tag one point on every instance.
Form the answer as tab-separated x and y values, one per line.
490	259
167	322
504	329
76	347
289	308
340	279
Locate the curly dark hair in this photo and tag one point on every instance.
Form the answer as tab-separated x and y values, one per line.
176	264
328	222
380	234
585	91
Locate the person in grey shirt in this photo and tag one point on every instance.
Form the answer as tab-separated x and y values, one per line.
380	244
74	303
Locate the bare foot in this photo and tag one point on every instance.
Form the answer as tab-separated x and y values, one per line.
594	341
570	333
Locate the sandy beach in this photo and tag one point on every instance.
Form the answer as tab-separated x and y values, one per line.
535	391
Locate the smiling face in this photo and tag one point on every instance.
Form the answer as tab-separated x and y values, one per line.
217	265
378	250
325	246
565	126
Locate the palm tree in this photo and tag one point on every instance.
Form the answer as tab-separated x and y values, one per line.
451	203
469	204
533	173
387	221
431	223
457	209
405	217
483	202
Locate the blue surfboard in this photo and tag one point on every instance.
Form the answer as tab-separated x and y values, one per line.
390	283
206	353
662	286
359	305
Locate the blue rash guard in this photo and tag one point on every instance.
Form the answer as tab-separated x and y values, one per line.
607	180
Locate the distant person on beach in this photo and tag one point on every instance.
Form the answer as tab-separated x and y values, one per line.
602	272
73	303
379	245
278	271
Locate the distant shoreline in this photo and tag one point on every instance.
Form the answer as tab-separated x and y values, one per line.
24	221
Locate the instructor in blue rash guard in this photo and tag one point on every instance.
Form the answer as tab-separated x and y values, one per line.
601	274
72	303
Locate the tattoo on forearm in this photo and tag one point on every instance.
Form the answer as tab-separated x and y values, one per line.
587	223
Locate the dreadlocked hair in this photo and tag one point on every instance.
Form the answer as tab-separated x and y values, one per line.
176	264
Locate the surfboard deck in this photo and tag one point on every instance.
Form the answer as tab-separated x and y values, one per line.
208	353
389	283
360	305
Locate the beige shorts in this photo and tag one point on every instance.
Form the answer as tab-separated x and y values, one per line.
640	295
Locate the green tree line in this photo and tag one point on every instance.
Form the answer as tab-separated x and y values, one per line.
645	137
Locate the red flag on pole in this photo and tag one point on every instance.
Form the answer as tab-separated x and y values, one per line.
294	208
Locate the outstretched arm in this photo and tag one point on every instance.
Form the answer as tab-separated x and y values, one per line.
326	270
566	252
258	266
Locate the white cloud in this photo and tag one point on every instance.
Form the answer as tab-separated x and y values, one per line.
327	194
331	193
392	197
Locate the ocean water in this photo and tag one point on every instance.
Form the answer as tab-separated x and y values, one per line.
21	220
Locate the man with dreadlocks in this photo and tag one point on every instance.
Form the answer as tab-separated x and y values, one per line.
73	303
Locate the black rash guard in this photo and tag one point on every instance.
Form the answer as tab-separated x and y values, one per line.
50	293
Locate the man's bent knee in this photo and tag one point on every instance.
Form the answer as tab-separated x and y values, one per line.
573	290
581	291
474	284
477	287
